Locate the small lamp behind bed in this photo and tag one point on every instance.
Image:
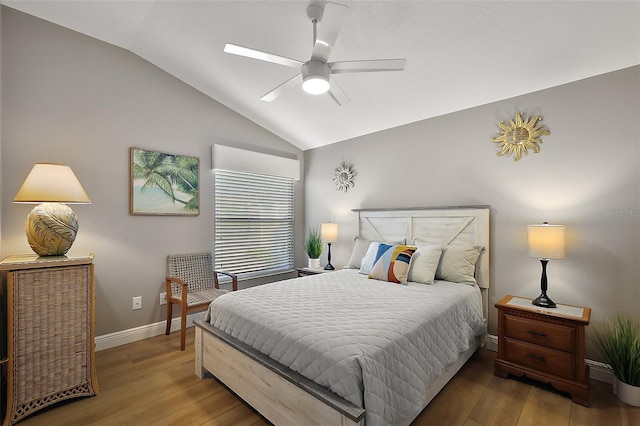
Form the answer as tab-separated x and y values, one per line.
545	242
329	234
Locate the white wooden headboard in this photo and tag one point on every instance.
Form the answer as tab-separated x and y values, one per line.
436	225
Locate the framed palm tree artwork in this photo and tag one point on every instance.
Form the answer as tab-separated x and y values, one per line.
163	184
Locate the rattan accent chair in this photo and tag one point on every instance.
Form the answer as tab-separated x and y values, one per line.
192	283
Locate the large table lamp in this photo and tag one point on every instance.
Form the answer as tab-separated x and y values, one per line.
545	242
51	226
329	234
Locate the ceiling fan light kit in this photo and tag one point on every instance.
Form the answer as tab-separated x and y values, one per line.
315	77
316	72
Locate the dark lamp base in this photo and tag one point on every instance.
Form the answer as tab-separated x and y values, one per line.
329	267
544	301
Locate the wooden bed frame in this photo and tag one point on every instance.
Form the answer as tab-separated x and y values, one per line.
287	398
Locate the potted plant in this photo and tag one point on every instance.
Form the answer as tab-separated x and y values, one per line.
618	342
313	247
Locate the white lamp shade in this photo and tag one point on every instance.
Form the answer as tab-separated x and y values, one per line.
329	232
546	241
53	183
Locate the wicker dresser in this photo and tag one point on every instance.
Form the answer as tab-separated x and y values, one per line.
50	331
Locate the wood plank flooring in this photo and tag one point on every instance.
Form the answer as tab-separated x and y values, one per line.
151	382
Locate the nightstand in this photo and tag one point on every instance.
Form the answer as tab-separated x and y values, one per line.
303	272
544	344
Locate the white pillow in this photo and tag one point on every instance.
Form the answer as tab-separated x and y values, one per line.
369	258
458	263
425	263
360	247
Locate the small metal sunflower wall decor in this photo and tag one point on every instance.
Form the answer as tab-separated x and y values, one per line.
344	176
519	136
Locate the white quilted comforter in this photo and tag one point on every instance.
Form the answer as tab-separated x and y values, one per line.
374	343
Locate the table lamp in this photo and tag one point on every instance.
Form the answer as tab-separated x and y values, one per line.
51	226
329	234
545	242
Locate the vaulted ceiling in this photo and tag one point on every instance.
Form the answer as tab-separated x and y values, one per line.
460	54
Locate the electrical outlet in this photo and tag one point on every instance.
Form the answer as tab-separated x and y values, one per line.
137	303
163	298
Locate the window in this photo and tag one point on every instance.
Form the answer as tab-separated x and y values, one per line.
253	223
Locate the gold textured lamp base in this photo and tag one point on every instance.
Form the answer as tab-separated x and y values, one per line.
51	229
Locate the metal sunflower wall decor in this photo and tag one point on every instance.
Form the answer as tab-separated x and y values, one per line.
344	177
519	136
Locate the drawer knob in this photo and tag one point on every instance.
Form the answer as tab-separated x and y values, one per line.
538	333
537	357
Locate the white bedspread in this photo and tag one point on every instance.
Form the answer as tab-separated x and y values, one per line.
374	343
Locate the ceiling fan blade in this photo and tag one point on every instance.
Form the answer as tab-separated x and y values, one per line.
337	94
234	49
293	81
374	65
328	29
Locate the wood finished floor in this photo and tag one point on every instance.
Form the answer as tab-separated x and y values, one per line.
151	382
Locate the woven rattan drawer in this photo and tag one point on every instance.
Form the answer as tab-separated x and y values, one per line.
50	334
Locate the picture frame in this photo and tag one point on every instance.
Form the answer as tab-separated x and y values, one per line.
162	183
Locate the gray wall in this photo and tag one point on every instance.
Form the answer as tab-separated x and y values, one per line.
586	176
71	99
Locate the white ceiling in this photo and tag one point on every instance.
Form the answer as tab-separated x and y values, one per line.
460	54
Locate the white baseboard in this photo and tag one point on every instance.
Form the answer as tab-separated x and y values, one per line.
597	370
491	342
131	335
600	371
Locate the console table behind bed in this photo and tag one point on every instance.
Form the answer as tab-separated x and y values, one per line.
287	398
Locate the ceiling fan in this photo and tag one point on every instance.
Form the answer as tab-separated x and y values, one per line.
316	72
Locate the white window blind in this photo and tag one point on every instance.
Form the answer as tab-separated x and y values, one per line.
253	223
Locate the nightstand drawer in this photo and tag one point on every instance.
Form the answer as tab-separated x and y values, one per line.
540	358
540	333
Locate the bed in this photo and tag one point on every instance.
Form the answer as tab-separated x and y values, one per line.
296	350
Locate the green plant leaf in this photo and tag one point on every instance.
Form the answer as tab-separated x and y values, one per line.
313	243
618	342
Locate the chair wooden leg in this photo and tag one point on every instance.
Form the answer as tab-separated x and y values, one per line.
183	328
169	318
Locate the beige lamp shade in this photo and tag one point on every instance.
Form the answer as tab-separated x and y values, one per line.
53	183
546	241
329	232
51	226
